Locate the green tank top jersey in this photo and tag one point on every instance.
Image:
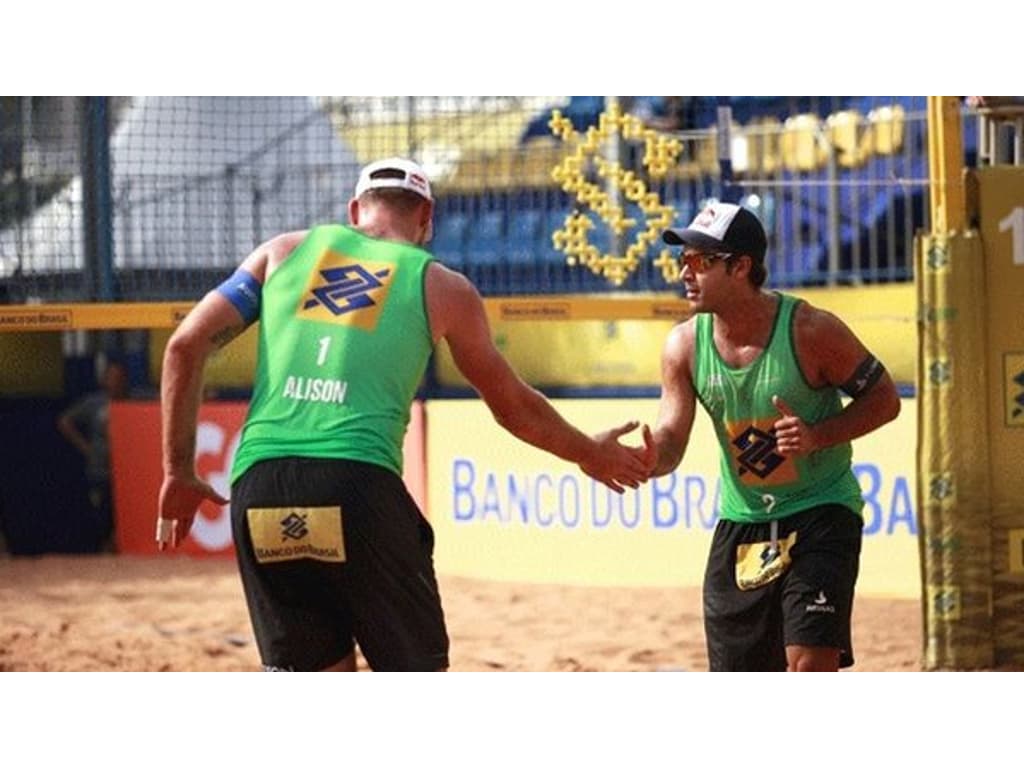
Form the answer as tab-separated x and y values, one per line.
759	484
344	342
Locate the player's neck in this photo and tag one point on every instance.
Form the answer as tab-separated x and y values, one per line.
747	320
387	227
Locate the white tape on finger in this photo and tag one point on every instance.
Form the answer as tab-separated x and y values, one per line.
164	530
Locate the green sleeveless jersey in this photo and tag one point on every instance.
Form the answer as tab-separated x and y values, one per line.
344	342
759	484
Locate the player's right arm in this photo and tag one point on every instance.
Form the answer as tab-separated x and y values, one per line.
220	316
457	314
678	399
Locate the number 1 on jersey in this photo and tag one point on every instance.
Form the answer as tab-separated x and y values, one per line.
321	357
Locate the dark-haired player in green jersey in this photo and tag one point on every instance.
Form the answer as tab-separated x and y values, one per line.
769	369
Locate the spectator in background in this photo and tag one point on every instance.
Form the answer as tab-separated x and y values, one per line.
994	102
663	113
85	425
582	112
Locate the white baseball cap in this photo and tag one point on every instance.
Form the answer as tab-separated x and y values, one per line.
394	173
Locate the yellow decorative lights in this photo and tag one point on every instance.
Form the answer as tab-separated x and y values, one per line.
660	154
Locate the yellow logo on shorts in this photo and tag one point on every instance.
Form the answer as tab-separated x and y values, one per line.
345	291
758	564
296	533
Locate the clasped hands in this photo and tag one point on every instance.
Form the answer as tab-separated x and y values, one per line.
619	466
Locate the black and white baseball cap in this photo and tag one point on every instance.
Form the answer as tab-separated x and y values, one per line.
723	227
394	173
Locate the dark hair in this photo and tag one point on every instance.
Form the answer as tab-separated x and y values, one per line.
758	274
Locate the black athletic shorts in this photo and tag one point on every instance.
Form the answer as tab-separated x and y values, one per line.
757	602
333	552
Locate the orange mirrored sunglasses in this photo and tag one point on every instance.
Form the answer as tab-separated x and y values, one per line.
700	261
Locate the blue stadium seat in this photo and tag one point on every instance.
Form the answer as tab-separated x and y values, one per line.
524	236
486	242
600	236
449	242
552	221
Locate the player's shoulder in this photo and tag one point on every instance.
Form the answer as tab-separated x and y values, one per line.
444	278
448	292
280	246
820	329
684	332
286	242
812	318
680	342
270	254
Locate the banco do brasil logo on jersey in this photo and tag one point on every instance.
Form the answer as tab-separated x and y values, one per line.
345	291
753	449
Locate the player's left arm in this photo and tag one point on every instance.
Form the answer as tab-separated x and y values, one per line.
830	354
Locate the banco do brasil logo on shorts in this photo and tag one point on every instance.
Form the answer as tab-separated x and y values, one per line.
293	527
296	533
345	291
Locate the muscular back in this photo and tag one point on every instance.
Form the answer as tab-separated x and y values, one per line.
343	345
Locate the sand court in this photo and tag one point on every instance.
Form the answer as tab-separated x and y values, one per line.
174	613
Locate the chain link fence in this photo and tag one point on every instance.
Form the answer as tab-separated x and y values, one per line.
158	198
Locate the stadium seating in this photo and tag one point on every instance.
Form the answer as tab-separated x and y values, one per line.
525	237
485	244
497	201
887	124
847	137
449	241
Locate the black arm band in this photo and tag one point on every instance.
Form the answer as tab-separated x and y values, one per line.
864	378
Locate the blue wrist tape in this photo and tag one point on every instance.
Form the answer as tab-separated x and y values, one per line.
244	292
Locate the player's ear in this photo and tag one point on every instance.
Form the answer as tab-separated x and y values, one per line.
427	221
741	265
353	212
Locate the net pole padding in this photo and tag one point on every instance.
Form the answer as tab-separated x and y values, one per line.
954	476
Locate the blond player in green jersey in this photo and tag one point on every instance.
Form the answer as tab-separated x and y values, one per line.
331	548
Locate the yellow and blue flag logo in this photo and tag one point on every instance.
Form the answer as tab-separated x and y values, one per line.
345	291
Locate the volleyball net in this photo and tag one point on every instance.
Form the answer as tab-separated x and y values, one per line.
157	199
